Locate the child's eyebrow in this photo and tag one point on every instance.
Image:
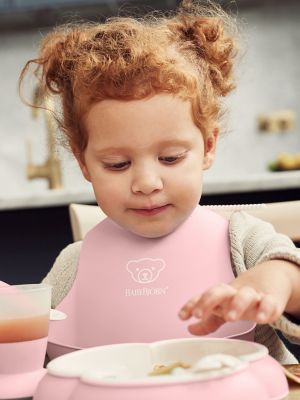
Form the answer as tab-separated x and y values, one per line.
174	142
159	145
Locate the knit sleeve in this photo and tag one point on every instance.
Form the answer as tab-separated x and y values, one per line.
63	273
254	241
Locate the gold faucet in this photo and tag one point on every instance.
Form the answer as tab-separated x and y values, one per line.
51	169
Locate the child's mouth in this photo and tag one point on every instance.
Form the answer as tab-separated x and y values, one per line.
150	211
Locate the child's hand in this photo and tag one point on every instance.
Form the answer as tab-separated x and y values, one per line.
260	294
229	303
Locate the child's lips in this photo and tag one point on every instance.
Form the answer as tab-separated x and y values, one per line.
151	211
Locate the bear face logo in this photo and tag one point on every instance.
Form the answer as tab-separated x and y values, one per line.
145	270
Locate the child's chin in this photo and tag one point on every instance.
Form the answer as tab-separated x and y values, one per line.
152	234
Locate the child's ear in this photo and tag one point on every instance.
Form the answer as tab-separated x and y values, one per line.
210	148
84	171
80	159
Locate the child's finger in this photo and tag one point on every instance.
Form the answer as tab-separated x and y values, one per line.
204	327
245	301
204	304
268	310
212	299
187	310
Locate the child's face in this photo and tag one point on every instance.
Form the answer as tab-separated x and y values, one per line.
145	159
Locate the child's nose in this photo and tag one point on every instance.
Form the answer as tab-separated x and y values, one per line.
147	182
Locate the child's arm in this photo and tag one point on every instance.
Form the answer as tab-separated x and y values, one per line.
63	272
267	266
261	294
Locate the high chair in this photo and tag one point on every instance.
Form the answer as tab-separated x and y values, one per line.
284	216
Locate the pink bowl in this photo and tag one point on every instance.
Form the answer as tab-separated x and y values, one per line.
121	371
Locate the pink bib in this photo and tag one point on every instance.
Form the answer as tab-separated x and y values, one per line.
130	289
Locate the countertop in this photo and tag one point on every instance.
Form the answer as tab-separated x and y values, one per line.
36	194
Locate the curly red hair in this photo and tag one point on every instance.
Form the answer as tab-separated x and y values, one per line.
188	54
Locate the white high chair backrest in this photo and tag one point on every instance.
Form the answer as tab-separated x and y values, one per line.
284	216
84	217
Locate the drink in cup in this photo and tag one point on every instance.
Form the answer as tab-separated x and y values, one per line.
24	320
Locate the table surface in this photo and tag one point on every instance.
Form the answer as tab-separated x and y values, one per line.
294	392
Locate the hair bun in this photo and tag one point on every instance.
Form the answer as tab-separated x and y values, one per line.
202	32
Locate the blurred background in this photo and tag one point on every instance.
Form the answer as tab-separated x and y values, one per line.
258	155
263	110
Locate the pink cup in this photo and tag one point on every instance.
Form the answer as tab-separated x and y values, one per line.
24	320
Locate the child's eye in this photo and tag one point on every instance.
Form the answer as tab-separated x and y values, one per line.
117	166
171	159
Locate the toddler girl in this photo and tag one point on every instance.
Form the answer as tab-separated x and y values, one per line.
141	103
